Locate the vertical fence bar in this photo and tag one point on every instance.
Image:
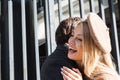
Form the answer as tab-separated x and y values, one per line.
59	10
11	47
81	7
47	27
114	32
101	10
24	46
91	6
119	8
0	56
70	8
36	40
52	24
5	41
0	7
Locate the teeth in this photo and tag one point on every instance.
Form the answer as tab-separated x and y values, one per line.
70	48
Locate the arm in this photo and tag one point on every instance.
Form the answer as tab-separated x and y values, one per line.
71	74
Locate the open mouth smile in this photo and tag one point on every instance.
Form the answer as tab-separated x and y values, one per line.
72	50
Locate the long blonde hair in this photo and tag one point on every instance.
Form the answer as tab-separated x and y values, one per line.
94	60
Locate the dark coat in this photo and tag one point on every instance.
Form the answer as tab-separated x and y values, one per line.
51	68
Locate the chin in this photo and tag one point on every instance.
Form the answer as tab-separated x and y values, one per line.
71	57
74	57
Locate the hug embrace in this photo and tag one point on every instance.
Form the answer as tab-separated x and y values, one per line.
87	55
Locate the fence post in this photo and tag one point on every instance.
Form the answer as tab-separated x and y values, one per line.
114	34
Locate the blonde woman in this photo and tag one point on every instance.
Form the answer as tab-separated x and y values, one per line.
90	48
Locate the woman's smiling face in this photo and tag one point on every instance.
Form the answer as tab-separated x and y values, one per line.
75	44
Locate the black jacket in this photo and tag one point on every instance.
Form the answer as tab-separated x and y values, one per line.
51	68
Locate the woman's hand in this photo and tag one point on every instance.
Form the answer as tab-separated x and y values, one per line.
71	74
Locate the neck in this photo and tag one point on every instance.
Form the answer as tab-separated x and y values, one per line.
78	62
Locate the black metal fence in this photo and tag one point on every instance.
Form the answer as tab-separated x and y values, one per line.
21	55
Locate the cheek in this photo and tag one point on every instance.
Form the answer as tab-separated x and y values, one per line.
79	52
79	47
77	55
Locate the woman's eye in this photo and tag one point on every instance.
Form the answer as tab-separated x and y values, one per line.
79	39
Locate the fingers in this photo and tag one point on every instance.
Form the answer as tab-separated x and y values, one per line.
67	73
65	77
71	74
77	71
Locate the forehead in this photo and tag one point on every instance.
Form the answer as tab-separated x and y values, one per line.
78	29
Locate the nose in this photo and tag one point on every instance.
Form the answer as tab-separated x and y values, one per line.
71	42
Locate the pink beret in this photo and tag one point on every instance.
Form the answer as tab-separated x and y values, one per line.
99	32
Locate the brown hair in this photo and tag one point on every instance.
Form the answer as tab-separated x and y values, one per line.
63	31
